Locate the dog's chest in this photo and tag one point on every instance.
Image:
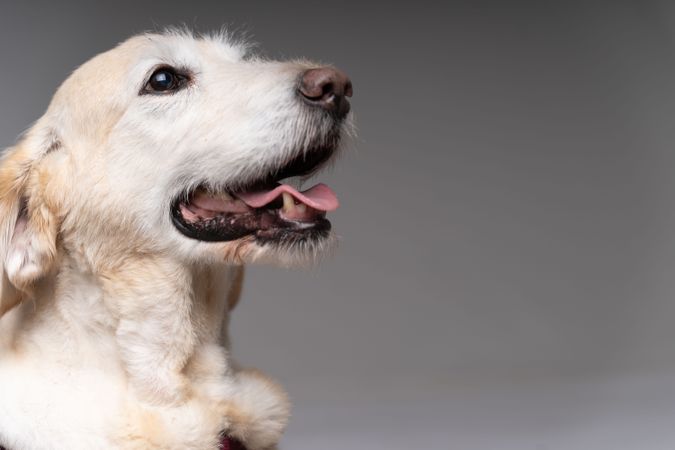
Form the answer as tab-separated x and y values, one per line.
225	444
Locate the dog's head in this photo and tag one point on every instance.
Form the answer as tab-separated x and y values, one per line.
174	145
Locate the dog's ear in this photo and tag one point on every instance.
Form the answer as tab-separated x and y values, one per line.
27	225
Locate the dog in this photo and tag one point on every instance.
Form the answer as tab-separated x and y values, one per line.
127	212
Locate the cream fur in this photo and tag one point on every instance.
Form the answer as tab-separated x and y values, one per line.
113	328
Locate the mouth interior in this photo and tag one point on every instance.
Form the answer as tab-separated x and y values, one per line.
267	210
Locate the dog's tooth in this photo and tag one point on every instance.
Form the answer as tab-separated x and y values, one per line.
300	208
289	203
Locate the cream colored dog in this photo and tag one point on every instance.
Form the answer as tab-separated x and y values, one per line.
126	213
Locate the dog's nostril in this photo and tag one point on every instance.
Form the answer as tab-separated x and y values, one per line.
327	87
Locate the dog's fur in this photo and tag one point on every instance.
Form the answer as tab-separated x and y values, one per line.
113	329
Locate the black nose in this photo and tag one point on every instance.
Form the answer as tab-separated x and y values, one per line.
327	87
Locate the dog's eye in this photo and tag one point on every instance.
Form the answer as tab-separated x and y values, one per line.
164	80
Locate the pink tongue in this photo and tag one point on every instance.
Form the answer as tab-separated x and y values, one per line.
319	197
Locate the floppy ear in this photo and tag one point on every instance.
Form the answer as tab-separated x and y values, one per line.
27	226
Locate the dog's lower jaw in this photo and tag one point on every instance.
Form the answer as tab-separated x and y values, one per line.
144	343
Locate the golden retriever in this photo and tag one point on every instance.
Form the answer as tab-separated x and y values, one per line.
126	214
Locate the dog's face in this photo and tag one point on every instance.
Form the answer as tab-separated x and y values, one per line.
175	144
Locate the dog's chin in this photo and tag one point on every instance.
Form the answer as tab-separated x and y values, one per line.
305	251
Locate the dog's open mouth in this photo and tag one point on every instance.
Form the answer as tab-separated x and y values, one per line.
265	209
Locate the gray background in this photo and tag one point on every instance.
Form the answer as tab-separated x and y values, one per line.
505	274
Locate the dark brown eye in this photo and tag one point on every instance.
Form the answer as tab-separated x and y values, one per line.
164	80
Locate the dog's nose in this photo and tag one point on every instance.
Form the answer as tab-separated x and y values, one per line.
327	88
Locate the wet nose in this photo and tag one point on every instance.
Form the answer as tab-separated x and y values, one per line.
327	88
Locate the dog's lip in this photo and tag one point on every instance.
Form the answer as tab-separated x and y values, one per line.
264	224
268	214
296	205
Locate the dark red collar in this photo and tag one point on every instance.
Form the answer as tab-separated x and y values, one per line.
226	444
229	443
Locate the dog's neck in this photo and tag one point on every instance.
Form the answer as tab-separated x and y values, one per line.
151	317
